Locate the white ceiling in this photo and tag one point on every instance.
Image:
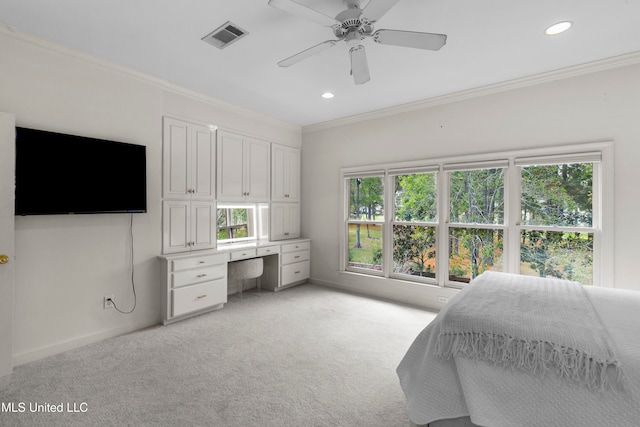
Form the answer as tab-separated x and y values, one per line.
489	41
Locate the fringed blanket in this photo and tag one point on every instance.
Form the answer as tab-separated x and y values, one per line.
531	324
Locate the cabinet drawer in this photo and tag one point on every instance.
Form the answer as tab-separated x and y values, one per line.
197	297
269	250
295	272
247	253
292	247
291	257
198	275
199	261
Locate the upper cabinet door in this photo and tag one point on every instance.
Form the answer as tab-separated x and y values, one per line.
242	168
175	159
257	169
230	167
188	161
285	173
203	166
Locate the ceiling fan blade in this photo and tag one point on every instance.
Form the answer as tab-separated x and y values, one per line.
297	9
359	66
376	9
414	39
307	53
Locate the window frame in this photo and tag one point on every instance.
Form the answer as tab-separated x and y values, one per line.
252	222
391	177
347	215
602	223
596	159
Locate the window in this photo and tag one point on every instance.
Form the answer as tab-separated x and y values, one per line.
241	222
414	225
557	234
535	212
365	222
476	222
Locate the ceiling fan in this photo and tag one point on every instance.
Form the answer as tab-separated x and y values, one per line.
354	25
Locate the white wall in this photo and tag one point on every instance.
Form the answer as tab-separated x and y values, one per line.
66	264
603	106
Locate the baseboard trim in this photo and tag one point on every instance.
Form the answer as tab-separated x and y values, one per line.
422	302
71	344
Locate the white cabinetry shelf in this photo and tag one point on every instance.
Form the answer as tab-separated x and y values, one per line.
188	171
294	262
242	168
193	284
285	173
197	282
187	225
285	221
188	160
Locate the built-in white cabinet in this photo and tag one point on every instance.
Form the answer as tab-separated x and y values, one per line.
285	173
188	225
295	263
284	221
188	160
193	284
188	187
243	168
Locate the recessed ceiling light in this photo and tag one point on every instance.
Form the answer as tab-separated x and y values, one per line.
558	28
328	95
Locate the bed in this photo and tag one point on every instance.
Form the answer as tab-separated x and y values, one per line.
453	375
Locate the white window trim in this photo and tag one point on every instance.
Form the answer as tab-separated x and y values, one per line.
252	222
603	228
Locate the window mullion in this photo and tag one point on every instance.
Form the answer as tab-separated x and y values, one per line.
511	250
442	242
387	229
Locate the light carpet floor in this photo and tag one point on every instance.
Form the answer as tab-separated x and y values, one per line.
305	356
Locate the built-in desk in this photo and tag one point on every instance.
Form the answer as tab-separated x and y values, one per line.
198	281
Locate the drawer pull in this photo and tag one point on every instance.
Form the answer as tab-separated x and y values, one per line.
297	256
201	262
201	296
201	275
296	272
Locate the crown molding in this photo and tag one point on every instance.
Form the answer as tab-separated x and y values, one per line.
564	73
37	41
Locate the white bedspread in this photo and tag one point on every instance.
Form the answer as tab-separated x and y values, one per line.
437	388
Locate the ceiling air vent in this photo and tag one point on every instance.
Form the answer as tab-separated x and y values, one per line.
224	35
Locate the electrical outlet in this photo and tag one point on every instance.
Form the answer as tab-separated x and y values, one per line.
443	300
108	301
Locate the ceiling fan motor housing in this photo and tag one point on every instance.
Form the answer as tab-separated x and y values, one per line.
351	22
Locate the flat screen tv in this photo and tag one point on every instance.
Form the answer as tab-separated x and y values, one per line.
67	174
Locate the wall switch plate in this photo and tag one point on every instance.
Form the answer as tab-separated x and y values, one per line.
108	301
443	300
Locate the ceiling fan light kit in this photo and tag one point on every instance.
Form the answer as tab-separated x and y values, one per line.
354	25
